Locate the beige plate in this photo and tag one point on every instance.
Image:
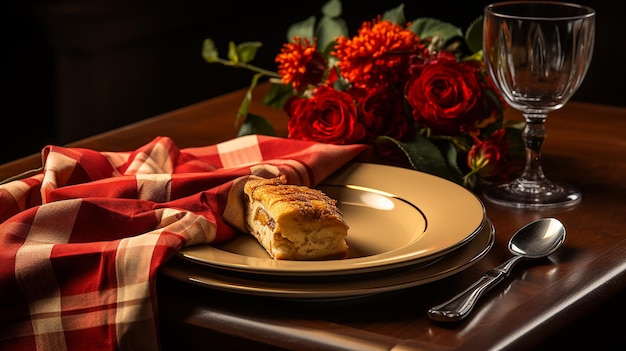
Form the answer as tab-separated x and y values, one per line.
335	287
397	217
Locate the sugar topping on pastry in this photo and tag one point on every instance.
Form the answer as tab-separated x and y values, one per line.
294	222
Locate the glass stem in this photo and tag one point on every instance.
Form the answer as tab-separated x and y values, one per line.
534	134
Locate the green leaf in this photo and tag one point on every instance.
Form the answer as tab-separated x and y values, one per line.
304	29
328	29
395	15
256	125
431	27
278	95
232	52
326	51
340	84
474	35
424	156
476	56
209	51
332	9
451	155
247	51
245	103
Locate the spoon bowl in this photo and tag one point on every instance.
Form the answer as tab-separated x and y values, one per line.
537	239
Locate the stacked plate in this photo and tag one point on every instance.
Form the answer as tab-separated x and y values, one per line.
407	228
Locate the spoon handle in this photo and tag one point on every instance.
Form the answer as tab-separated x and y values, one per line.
462	304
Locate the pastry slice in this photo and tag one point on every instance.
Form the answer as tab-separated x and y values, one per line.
294	222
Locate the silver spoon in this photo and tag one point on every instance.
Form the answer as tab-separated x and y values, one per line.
535	240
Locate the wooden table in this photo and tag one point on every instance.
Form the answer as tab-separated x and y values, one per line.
576	297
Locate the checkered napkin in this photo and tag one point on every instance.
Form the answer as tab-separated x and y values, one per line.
81	242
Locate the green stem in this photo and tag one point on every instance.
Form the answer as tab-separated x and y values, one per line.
249	67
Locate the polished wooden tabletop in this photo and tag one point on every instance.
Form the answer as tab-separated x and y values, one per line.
573	300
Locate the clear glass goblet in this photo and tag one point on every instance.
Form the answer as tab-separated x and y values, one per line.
537	53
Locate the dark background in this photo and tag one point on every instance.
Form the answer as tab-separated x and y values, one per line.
71	69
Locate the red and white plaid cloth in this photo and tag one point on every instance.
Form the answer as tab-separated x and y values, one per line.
81	243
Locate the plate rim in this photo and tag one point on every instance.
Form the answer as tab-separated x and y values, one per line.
392	259
447	265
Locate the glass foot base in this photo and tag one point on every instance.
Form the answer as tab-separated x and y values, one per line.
529	194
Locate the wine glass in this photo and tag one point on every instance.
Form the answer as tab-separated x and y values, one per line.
537	53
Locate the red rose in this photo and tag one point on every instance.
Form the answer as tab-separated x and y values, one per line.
329	116
488	157
382	114
446	95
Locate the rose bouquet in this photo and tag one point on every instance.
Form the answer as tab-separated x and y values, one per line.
417	92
